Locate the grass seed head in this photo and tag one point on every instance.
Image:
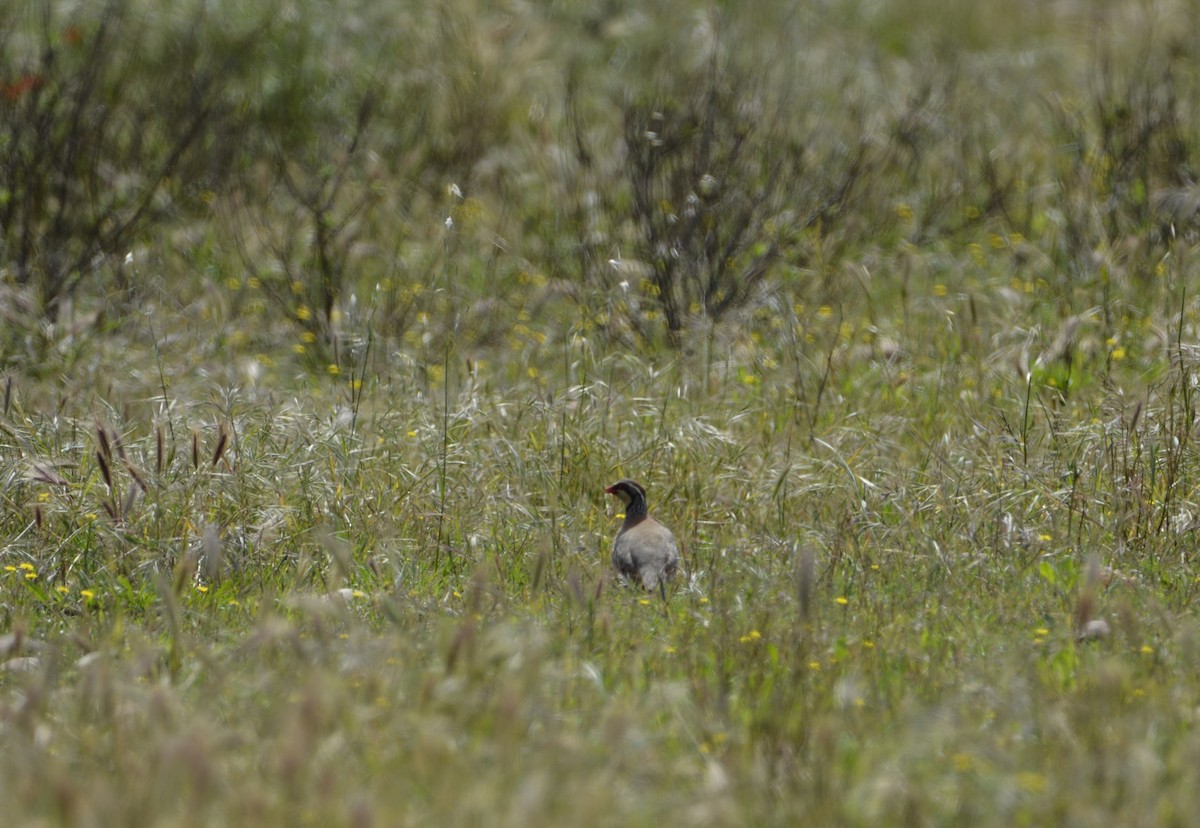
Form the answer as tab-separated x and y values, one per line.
102	438
137	478
222	442
104	470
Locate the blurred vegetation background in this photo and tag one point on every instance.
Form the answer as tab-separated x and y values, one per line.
324	327
644	176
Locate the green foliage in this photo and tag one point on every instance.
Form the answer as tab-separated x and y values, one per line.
301	485
108	118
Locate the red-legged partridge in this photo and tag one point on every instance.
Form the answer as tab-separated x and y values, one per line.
645	550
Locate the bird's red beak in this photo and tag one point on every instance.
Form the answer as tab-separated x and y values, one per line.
611	490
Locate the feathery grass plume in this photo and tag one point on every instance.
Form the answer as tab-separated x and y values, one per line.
168	593
185	569
1085	604
340	555
575	587
102	437
462	645
195	451
45	474
805	573
158	449
210	561
130	497
12	643
137	477
304	566
7	394
539	569
104	471
37	515
222	442
114	439
1021	363
111	510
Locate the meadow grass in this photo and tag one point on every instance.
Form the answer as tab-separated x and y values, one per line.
303	500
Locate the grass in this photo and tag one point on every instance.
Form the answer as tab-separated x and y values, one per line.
302	500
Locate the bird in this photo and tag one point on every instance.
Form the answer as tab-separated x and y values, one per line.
644	549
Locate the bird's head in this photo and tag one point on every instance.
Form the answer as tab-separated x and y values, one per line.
627	490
